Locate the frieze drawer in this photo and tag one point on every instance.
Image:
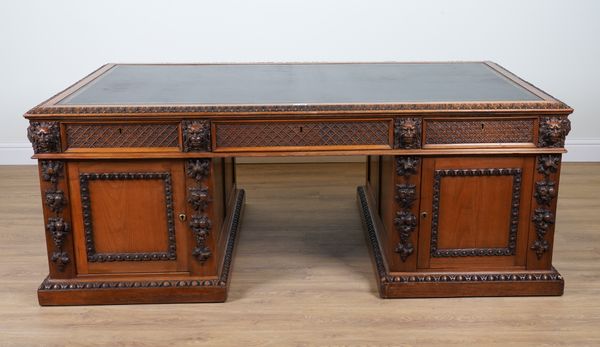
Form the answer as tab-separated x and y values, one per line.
309	135
121	135
479	131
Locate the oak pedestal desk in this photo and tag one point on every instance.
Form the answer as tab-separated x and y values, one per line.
137	173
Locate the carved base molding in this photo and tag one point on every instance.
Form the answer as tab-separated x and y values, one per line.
175	290
449	284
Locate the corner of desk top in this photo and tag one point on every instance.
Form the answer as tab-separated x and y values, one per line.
71	89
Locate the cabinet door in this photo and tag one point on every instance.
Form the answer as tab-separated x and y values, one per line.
125	216
474	212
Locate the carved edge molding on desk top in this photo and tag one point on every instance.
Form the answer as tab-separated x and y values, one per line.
92	256
545	192
221	282
196	135
405	221
58	228
553	131
199	199
407	133
448	106
386	277
44	137
510	249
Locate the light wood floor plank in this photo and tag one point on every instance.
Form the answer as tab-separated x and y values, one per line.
302	276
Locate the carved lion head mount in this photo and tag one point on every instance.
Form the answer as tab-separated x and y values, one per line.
553	131
196	136
44	136
407	133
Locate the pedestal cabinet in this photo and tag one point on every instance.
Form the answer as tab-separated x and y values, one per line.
138	184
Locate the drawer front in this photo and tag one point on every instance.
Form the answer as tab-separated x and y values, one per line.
286	135
479	131
120	135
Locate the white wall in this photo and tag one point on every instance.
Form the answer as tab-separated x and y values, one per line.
47	45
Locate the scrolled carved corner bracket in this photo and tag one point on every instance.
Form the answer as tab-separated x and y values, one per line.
198	169
407	133
548	164
406	194
196	136
52	170
200	225
198	197
553	131
58	229
543	219
405	221
545	192
407	165
55	199
44	137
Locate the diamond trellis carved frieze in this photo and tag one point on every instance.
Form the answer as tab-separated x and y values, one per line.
199	199
86	200
479	131
545	192
120	135
510	249
56	226
405	221
283	133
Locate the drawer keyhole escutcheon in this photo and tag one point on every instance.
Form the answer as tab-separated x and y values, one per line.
182	217
423	215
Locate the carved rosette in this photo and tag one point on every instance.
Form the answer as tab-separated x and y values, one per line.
196	136
44	137
553	131
58	229
545	193
405	221
199	200
407	133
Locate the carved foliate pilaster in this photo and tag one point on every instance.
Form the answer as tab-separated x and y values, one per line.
405	221
196	136
545	192
553	131
199	200
407	133
44	136
56	226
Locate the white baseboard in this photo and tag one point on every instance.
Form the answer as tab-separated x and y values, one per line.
580	150
16	153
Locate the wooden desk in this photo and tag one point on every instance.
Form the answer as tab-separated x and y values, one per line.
137	172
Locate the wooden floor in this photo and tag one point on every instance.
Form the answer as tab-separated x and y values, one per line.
302	276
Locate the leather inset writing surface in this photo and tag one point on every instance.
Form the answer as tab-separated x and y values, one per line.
298	84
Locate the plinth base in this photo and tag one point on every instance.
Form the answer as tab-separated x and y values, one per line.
155	290
422	284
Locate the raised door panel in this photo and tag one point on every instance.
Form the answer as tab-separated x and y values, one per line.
475	212
126	216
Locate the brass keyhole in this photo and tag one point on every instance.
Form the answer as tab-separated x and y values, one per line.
423	215
182	217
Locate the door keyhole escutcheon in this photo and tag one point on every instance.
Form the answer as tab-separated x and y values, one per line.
182	217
